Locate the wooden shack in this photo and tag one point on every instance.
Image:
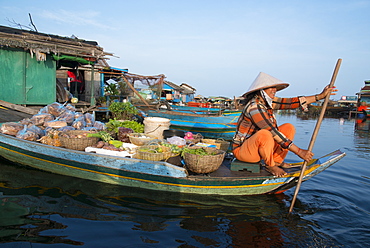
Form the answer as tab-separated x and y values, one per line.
30	61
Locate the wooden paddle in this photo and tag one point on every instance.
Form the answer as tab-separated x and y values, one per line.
315	132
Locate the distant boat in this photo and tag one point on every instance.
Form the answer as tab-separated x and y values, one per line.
165	106
209	125
155	175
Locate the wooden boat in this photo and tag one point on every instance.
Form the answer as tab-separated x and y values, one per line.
221	115
211	125
206	129
208	126
201	110
153	175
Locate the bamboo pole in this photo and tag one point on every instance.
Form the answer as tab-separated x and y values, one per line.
314	135
137	93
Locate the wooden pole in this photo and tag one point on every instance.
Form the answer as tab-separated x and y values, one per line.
92	87
135	91
314	135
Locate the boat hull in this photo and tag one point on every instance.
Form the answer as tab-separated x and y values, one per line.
207	130
152	175
196	117
200	110
213	127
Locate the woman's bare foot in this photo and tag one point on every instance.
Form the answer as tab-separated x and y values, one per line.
284	165
276	171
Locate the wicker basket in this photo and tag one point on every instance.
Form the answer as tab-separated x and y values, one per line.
196	138
135	138
77	140
224	145
219	143
204	163
151	153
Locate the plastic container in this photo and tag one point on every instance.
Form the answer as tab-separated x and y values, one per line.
155	126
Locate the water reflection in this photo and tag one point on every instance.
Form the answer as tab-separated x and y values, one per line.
41	207
21	221
362	124
362	137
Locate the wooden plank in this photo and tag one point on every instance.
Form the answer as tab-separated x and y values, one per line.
19	108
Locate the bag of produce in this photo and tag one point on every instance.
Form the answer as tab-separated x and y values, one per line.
33	128
41	119
70	107
66	128
11	128
99	125
90	119
56	109
55	124
67	116
79	123
27	134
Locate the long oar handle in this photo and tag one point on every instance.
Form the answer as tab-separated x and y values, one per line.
315	132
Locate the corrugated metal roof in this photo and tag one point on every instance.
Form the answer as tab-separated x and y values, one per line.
179	88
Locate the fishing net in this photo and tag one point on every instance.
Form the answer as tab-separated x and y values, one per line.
148	87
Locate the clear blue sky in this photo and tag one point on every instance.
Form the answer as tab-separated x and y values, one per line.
218	47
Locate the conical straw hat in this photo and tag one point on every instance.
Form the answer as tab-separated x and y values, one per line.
264	81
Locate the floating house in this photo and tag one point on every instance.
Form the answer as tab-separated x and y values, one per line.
364	96
38	68
347	101
177	94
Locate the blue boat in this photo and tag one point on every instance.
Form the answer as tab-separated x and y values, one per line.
213	126
156	175
201	110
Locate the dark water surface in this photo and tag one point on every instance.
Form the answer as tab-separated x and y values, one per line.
40	209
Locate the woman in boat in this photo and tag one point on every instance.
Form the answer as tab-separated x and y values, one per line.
258	137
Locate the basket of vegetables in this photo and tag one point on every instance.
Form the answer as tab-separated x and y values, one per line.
153	152
203	159
77	139
140	139
175	157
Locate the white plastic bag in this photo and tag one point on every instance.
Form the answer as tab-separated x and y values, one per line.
176	140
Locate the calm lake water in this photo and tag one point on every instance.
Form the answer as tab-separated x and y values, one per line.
39	209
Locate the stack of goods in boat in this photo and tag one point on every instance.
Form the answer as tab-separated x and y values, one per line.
50	121
62	126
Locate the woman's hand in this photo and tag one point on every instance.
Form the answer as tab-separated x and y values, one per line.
306	155
327	90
